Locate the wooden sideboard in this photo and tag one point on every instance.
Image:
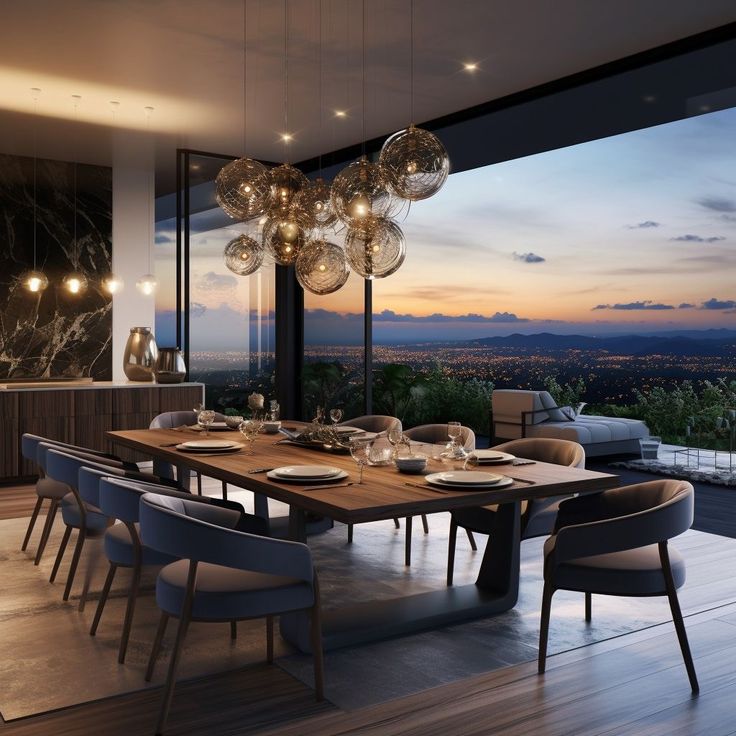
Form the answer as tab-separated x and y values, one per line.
81	415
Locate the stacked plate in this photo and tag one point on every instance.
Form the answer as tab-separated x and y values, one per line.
214	427
468	480
210	446
307	474
493	457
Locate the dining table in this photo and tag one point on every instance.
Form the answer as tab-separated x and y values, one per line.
384	493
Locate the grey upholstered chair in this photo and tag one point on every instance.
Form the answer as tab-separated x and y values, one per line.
378	423
537	515
79	507
616	543
49	489
433	434
223	575
119	498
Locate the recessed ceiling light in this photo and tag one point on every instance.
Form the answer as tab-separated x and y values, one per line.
340	114
470	66
287	137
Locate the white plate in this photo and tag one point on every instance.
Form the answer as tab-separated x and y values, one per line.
505	481
465	477
340	475
231	447
349	430
492	457
306	472
208	444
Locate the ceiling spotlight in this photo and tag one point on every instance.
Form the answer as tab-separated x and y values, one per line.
287	137
470	66
340	114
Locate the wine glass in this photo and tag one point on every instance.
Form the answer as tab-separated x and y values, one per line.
250	429
197	408
454	432
319	415
335	415
205	418
396	437
360	449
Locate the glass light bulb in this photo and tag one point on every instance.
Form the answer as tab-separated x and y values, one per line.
75	283
360	207
35	281
146	284
112	284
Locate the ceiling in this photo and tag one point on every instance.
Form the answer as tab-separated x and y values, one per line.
185	59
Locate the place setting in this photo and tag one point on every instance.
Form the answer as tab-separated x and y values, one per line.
209	447
314	477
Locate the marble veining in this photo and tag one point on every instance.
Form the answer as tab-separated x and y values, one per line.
54	333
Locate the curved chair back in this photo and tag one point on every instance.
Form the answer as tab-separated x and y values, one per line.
173	419
30	443
200	532
434	434
546	450
372	423
635	516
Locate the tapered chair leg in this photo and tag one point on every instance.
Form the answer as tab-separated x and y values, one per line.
547	594
82	535
199	484
60	553
677	616
407	542
451	552
425	524
46	531
233	630
92	562
224	490
103	598
316	642
269	639
471	539
397	524
32	522
156	648
588	607
350	533
181	634
129	611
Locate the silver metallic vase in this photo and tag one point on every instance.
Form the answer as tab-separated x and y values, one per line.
169	366
140	354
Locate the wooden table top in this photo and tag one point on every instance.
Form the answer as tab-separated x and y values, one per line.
384	493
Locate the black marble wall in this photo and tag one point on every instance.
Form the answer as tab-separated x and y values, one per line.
54	333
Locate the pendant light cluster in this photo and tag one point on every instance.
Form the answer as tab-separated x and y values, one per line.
296	217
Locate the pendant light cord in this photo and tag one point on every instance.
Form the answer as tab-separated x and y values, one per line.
321	105
362	72
76	154
286	80
245	77
36	93
151	175
411	62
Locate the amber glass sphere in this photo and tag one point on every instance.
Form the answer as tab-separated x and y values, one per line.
361	192
377	250
415	163
34	281
286	183
321	267
242	189
75	283
314	201
243	255
283	238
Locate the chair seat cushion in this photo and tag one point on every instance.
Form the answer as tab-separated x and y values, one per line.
591	429
480	519
223	593
50	488
631	572
119	548
96	521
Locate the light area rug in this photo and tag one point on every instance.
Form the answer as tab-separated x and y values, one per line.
49	661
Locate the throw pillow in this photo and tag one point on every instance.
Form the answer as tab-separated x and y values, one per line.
555	413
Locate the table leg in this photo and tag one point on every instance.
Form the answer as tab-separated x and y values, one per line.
297	524
183	478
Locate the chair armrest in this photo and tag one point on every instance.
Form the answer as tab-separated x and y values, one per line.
582	510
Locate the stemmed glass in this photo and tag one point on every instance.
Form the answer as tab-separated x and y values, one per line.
319	415
250	429
360	449
205	418
454	431
335	415
396	437
197	408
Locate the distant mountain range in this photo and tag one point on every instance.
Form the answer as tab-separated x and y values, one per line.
689	342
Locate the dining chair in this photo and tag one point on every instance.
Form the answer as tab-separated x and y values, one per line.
49	489
223	575
433	434
378	423
177	420
119	498
79	507
616	543
537	515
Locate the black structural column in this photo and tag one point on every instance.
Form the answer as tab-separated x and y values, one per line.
289	341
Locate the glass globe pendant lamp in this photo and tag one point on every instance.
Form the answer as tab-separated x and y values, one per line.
415	163
34	281
360	192
321	267
286	183
242	189
75	283
243	255
147	284
283	238
112	285
315	202
377	250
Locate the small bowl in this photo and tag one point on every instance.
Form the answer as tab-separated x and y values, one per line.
415	464
233	422
271	427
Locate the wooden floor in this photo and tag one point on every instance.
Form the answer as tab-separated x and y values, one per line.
634	684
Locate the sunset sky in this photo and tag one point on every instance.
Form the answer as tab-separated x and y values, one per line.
627	234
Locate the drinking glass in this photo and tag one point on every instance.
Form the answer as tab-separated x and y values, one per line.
395	437
205	418
360	450
335	415
250	429
319	415
454	432
197	408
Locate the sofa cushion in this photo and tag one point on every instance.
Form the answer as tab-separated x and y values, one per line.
591	429
555	414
